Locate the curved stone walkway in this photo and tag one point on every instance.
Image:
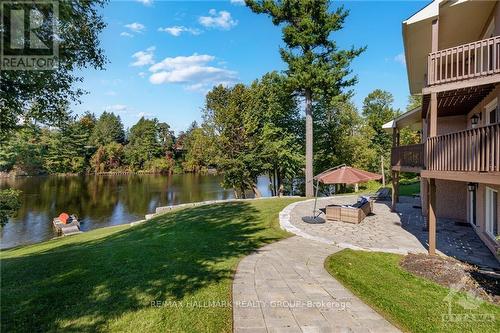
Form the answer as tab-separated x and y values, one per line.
284	287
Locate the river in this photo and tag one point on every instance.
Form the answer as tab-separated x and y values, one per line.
101	201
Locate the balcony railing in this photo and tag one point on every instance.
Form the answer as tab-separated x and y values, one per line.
477	59
410	156
475	150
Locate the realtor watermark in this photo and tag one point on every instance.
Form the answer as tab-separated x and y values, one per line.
296	304
469	302
29	35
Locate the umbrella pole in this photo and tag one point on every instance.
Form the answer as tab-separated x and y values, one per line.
316	198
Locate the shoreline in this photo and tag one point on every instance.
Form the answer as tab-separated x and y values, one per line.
158	211
9	175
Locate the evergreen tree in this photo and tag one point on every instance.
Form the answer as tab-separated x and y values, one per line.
316	66
107	129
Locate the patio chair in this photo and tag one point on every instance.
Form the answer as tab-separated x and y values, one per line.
382	194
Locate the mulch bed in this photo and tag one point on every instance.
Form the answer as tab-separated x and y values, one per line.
452	273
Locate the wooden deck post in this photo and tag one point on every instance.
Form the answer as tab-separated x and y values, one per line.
395	190
433	105
433	116
432	216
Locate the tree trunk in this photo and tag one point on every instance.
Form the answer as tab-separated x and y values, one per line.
309	145
271	186
275	181
256	191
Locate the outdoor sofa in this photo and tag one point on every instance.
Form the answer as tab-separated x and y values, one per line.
351	214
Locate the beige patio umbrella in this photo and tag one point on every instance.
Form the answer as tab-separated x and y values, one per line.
340	174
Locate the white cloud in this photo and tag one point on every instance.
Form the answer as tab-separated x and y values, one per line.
221	19
142	74
238	2
400	58
192	71
135	27
118	108
110	93
182	62
143	58
146	2
177	30
144	114
126	34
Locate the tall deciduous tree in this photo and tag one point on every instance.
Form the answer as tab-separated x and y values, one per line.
340	136
227	113
414	101
378	110
200	148
316	66
37	95
280	130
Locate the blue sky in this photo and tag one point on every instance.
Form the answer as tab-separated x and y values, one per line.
164	55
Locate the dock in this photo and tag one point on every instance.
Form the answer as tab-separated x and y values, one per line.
66	229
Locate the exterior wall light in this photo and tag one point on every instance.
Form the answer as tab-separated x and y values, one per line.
475	119
471	187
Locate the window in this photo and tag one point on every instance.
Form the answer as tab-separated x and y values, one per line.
491	111
491	212
492	116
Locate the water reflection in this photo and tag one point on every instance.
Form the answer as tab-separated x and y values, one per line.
102	200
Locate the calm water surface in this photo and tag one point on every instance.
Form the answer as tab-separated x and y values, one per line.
101	201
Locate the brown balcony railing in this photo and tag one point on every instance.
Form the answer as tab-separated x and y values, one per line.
464	62
410	156
475	149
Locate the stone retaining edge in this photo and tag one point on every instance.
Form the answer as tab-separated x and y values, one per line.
166	209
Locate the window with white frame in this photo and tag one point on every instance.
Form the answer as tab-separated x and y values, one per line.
492	113
491	213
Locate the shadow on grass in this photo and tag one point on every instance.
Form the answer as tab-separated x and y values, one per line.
168	258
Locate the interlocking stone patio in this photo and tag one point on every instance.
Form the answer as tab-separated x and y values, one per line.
284	287
399	232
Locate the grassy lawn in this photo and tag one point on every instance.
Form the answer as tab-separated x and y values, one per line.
409	189
410	302
107	279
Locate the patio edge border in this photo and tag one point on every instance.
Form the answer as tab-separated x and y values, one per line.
286	224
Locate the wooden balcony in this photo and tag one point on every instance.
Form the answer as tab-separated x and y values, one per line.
472	150
464	66
471	155
408	158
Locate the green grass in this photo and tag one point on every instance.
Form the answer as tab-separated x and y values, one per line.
107	279
409	189
412	303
